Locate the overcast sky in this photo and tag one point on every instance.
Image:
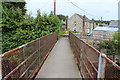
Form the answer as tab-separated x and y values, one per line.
108	9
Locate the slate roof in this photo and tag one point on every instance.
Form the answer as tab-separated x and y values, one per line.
86	19
106	29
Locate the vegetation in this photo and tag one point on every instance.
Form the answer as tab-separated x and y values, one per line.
98	21
62	17
19	28
112	45
116	36
75	32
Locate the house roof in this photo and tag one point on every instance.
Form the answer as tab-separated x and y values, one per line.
86	19
106	29
114	23
79	15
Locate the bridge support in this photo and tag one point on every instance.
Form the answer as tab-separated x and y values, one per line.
101	67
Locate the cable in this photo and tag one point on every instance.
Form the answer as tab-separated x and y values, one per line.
81	8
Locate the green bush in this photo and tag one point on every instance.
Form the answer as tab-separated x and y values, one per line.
18	28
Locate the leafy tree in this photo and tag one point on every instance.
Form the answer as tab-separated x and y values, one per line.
116	36
12	18
112	46
98	21
62	17
19	29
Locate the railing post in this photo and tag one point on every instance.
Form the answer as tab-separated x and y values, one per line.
101	66
0	67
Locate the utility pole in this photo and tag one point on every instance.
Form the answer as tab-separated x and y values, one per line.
54	7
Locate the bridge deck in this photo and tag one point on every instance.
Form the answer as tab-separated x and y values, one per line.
60	63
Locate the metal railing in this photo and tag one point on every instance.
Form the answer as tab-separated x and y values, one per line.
25	61
91	62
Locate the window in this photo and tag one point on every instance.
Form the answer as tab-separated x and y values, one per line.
75	24
75	29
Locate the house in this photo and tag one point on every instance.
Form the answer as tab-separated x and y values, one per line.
80	24
63	25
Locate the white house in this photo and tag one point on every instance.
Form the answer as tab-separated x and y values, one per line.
80	24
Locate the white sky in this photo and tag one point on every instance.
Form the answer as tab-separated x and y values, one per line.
108	9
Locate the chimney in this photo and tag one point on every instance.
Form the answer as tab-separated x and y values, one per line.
93	23
66	22
84	26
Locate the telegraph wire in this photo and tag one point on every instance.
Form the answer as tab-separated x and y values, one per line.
81	9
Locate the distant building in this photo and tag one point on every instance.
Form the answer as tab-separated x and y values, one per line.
119	10
80	24
114	23
104	32
63	25
119	13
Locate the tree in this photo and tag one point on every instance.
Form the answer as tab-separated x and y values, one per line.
61	17
112	45
116	36
12	18
19	29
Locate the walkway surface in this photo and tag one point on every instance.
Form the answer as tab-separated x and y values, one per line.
60	62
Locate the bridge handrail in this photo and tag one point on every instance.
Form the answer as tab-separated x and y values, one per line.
83	59
31	52
8	52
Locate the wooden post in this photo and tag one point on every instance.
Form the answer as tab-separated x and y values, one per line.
54	7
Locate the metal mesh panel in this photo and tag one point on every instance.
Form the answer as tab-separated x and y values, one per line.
111	72
22	62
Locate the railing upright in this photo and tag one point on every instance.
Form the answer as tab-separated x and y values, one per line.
101	66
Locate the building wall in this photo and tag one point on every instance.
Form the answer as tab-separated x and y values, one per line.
75	22
89	27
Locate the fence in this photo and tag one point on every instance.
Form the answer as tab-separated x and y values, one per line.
25	61
91	62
